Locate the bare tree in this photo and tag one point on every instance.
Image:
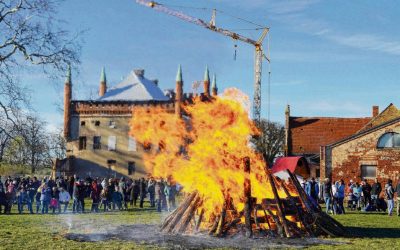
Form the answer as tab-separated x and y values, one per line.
270	141
30	35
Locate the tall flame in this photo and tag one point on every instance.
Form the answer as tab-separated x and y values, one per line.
204	150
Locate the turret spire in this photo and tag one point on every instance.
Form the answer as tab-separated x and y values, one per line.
103	82
214	82
103	75
179	74
207	75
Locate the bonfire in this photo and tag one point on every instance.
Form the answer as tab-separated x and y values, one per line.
228	187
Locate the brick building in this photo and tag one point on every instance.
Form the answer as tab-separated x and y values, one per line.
97	131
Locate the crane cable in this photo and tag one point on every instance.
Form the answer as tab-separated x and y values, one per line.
269	80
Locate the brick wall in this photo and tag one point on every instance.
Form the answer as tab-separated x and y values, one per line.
346	159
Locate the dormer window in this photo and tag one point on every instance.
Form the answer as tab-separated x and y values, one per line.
389	140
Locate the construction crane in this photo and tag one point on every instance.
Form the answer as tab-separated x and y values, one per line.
259	55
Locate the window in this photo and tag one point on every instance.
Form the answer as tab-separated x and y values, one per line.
112	141
112	124
368	171
131	168
97	123
83	123
96	142
132	144
82	142
389	140
110	162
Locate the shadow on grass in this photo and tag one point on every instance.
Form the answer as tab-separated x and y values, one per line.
362	232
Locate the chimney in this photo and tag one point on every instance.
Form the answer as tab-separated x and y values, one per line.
103	83
139	72
67	103
375	111
207	82
287	131
179	92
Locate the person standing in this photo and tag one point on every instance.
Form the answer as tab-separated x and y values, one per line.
327	193
151	190
398	197
340	191
158	190
134	191
64	198
170	191
366	191
389	193
376	190
95	195
142	191
45	198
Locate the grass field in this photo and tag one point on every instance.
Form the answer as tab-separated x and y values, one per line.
368	230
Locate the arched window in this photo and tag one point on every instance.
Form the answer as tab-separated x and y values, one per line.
389	140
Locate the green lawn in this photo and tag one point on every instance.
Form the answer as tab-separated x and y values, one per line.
371	230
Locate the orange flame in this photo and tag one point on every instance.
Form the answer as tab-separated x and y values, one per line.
204	150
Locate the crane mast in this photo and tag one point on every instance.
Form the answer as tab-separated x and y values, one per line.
258	56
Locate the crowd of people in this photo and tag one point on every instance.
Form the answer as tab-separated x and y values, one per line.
61	194
360	196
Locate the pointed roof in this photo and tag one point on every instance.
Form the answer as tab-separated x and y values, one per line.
214	82
68	75
179	74
103	75
135	87
389	113
207	75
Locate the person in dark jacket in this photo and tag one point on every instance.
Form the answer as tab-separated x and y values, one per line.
366	190
95	196
376	189
134	192
389	193
142	191
327	193
151	191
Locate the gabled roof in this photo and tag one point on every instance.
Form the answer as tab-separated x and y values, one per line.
365	132
389	113
135	87
307	134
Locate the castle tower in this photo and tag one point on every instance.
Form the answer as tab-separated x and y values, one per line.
206	82
67	103
214	88
103	83
179	91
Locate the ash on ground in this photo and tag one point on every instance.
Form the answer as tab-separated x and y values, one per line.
150	235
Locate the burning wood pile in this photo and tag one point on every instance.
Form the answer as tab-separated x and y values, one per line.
290	216
229	190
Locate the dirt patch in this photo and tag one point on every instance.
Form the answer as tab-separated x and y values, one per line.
150	235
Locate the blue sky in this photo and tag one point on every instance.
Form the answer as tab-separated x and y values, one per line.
329	58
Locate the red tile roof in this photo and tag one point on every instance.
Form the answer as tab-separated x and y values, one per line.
307	134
